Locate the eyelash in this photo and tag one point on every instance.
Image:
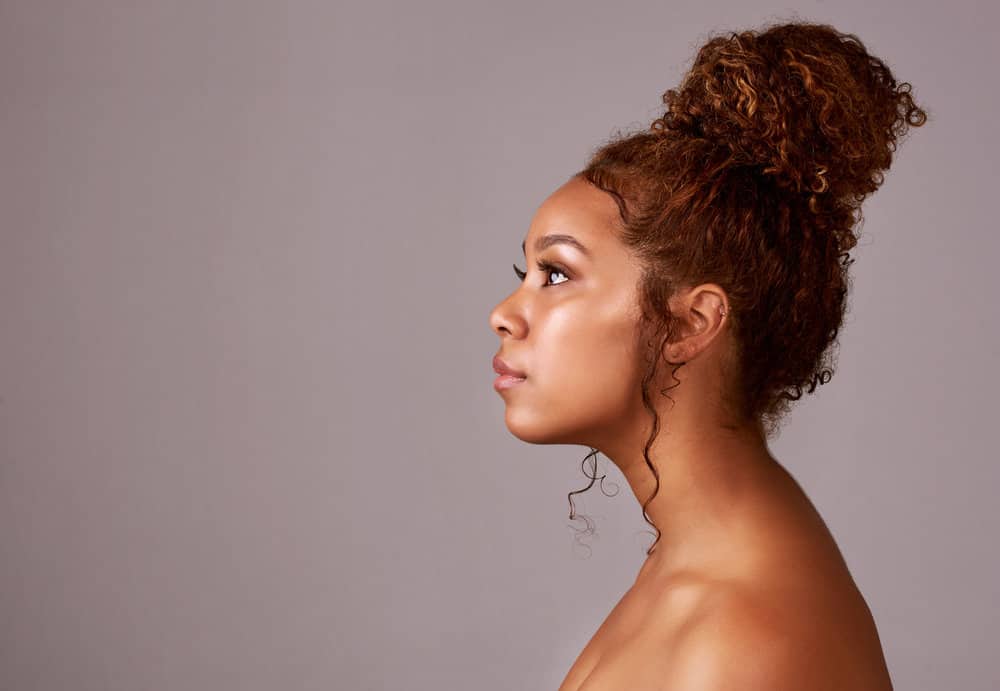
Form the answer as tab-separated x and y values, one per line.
544	266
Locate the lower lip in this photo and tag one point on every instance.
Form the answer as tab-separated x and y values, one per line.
505	381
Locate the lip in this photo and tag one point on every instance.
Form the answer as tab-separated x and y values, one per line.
508	375
505	381
502	368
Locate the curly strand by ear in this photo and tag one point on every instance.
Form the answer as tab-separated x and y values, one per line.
648	405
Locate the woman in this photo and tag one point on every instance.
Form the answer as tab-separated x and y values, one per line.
695	275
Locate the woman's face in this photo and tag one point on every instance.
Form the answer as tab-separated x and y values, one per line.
571	327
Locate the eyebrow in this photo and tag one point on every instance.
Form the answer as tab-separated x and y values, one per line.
556	239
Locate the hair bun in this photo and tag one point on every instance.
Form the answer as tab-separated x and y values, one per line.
805	103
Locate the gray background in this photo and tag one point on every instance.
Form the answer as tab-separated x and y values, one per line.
248	437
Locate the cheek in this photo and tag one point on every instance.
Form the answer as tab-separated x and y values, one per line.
590	368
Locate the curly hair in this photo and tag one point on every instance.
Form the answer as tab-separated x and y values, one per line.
753	179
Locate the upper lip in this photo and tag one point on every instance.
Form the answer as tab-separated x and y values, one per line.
501	367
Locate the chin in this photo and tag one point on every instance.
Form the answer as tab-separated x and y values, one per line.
536	428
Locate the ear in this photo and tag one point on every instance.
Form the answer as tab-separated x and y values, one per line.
703	312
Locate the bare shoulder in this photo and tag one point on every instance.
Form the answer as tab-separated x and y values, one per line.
731	637
738	641
775	607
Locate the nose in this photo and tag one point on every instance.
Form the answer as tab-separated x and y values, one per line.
505	317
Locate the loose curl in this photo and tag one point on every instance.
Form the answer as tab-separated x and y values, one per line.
753	179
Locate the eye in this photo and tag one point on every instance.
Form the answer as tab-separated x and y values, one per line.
546	268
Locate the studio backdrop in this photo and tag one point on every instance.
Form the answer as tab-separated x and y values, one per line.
248	253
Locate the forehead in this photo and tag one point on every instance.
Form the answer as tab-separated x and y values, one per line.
581	210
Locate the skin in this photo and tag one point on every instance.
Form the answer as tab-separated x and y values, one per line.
744	562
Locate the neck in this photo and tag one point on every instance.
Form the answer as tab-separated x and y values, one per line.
707	473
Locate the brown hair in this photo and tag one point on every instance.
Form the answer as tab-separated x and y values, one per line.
753	179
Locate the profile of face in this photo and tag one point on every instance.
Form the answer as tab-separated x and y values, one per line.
570	325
